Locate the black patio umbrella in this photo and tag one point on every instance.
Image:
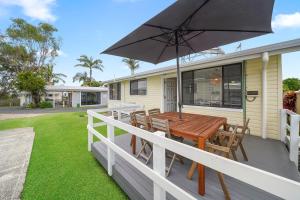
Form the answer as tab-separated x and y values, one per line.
191	26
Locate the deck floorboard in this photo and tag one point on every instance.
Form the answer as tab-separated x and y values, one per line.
269	155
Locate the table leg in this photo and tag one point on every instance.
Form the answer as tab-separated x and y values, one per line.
201	170
133	144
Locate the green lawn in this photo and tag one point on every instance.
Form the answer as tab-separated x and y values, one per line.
60	165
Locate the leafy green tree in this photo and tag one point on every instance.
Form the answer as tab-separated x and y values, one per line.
25	47
90	63
81	77
291	84
132	64
32	82
93	83
51	77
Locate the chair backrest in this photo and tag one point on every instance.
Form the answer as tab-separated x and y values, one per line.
245	127
232	137
133	118
142	121
160	125
240	135
153	112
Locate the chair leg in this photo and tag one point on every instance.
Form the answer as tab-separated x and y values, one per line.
192	170
142	149
144	142
223	185
148	159
234	155
168	169
243	152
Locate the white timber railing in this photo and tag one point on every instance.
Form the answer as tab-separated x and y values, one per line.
290	123
274	184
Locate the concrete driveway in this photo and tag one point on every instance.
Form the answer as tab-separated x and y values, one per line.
15	151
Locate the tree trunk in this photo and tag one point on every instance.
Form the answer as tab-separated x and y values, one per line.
132	71
35	98
90	74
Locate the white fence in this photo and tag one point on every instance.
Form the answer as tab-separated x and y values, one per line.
274	184
290	121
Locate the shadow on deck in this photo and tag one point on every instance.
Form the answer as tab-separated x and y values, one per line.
269	155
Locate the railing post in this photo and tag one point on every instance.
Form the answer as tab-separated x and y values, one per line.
119	115
294	141
159	166
90	134
110	153
283	125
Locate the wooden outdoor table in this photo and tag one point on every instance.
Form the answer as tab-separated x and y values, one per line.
193	127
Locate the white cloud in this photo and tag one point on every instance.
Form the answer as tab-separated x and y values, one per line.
287	20
61	53
36	9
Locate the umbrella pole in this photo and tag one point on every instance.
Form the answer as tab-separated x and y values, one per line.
178	77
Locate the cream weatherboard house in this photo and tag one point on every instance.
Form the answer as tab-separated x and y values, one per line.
240	85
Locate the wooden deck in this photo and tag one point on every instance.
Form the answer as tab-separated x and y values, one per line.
269	155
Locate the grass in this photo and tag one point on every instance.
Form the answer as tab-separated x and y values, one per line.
60	166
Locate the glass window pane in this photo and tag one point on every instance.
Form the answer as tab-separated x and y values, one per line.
232	86
115	91
208	87
188	88
138	87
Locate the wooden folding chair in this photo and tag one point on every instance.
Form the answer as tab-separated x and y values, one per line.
241	131
153	112
142	122
223	151
163	125
133	123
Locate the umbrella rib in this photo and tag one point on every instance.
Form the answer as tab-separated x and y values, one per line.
195	35
229	30
188	44
156	26
164	49
141	40
159	40
190	16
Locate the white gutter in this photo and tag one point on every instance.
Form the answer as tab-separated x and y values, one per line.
265	61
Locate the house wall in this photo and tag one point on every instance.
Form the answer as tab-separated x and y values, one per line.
253	74
274	95
151	100
104	98
76	99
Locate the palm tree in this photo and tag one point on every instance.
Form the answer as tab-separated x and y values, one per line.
51	77
90	63
81	77
132	64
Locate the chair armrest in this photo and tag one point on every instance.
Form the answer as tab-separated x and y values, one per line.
228	126
225	133
217	147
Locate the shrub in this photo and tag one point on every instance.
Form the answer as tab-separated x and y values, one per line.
45	104
30	106
289	101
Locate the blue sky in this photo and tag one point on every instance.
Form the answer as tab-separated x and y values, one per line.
89	27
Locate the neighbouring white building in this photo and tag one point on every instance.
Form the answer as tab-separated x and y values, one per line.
71	96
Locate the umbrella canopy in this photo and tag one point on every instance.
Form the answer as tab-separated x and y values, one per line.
190	26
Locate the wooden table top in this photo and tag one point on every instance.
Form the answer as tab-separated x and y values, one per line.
193	126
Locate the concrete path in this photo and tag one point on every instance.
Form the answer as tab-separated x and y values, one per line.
15	151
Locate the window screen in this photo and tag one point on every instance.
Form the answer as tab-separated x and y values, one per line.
213	87
138	87
115	91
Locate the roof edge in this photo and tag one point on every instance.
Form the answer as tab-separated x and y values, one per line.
273	49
